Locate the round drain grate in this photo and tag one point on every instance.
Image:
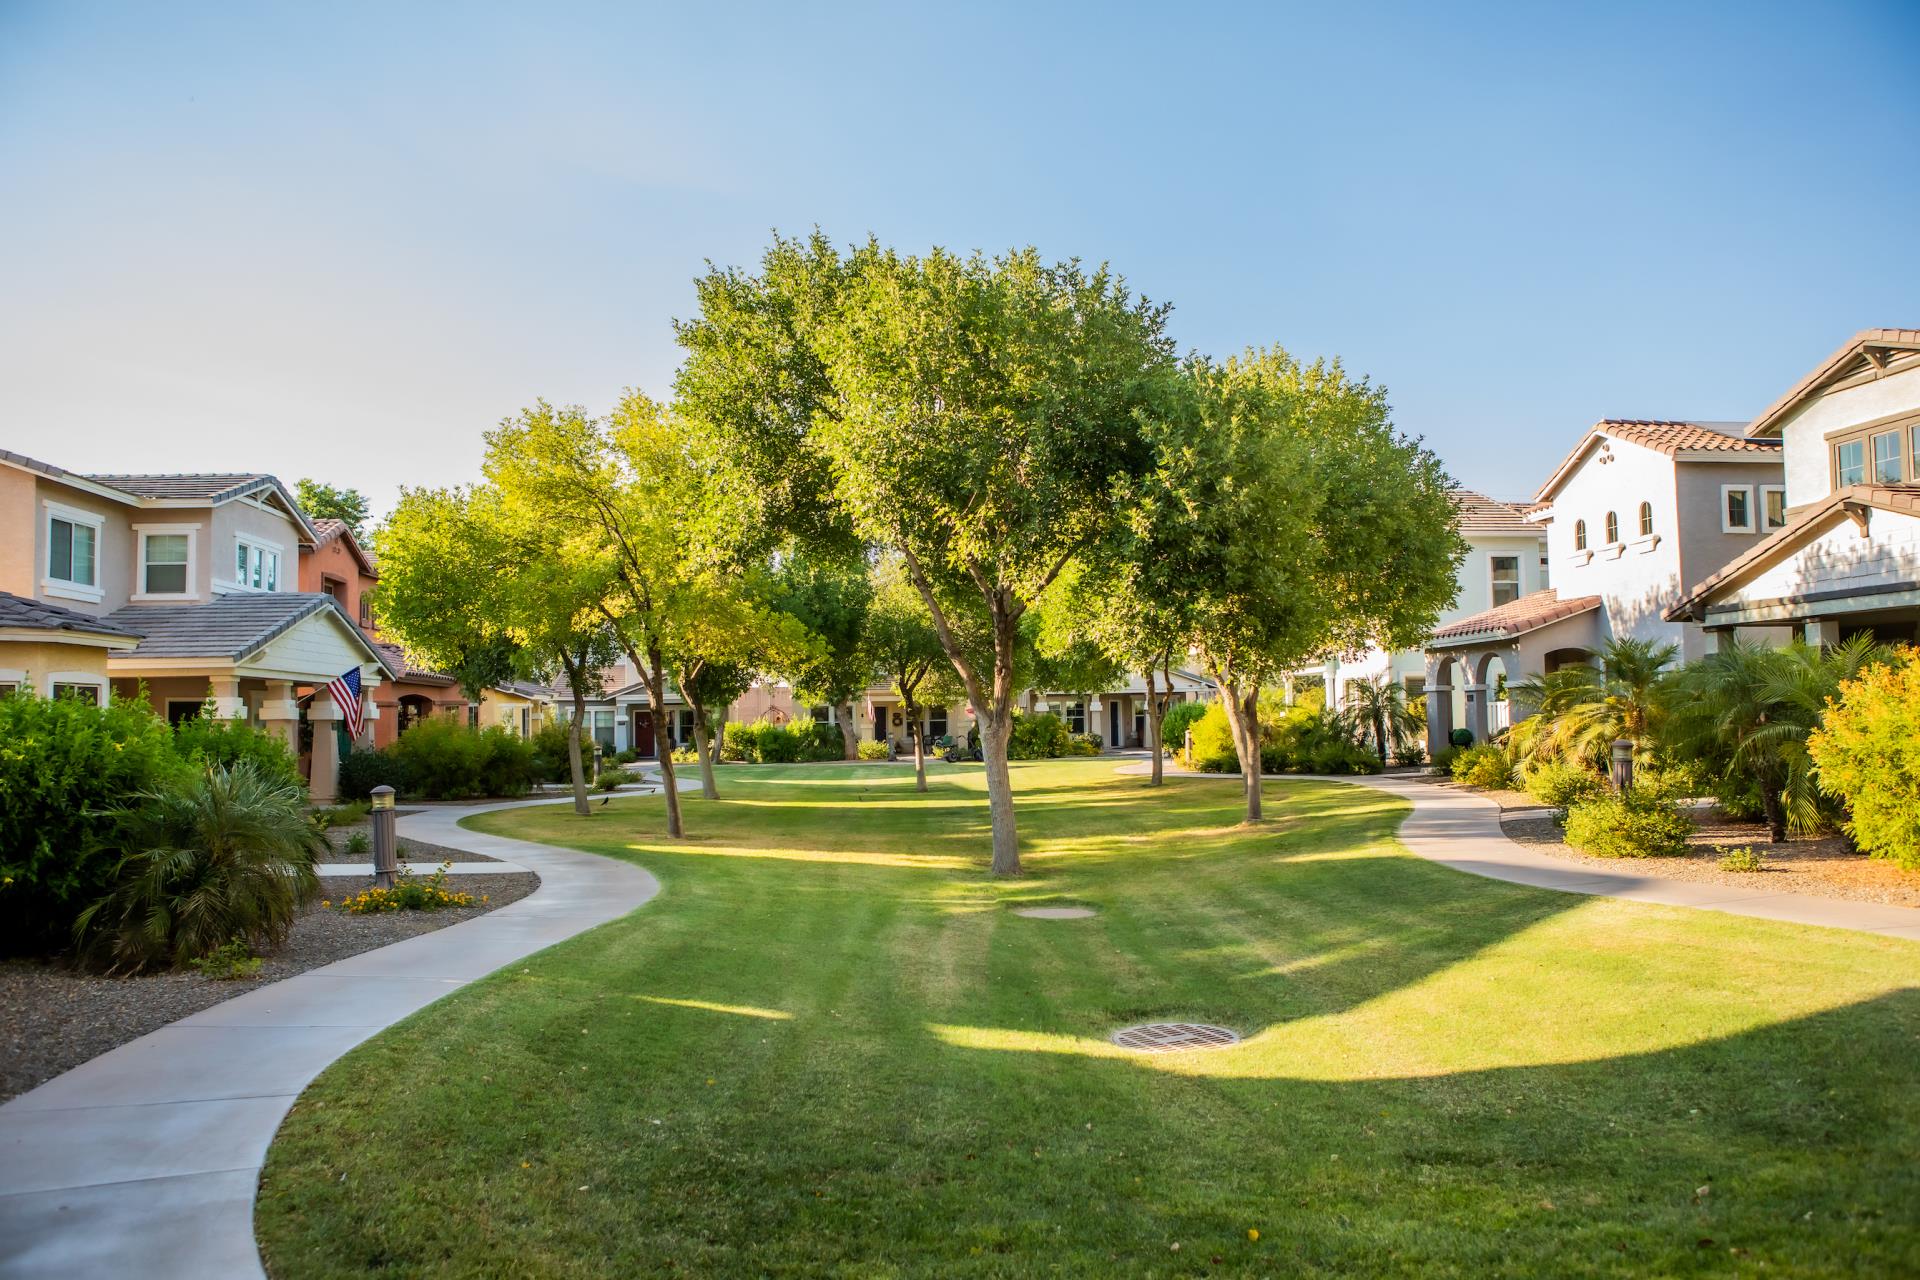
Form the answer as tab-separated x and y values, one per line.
1055	913
1167	1037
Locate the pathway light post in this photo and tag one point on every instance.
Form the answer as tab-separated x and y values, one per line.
385	863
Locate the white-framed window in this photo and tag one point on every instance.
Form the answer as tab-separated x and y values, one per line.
1646	519
602	721
73	553
824	715
12	680
1736	508
1076	717
1506	579
82	686
936	722
1773	507
166	561
256	564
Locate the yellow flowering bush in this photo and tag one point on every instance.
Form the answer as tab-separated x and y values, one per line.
410	893
1867	754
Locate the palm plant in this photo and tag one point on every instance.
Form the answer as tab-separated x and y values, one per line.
229	853
1745	712
1377	708
1579	712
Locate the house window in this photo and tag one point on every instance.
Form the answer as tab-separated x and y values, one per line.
1545	581
1613	527
164	562
1773	507
1076	717
1736	508
72	551
1646	519
683	728
602	718
1506	579
936	722
1579	535
180	710
366	609
257	566
1849	463
823	715
76	691
8	688
1888	466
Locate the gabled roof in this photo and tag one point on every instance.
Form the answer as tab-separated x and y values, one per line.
1484	515
1869	351
326	529
230	626
1801	527
1515	618
137	490
22	613
1690	441
406	671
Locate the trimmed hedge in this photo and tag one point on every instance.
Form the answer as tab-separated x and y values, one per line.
1485	766
1635	825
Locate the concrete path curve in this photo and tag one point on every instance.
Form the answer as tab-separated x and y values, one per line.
144	1161
1459	829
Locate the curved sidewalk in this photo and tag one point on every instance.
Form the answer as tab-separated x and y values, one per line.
144	1162
1461	830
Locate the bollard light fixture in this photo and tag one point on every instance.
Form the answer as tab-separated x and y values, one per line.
381	797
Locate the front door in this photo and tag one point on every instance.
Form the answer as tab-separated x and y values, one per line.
1113	723
643	734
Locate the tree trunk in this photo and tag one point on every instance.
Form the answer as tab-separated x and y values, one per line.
709	790
996	732
574	764
1243	718
1380	734
662	744
1776	814
1153	726
919	741
849	735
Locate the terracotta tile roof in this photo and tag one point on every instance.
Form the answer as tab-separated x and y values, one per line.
1663	435
1869	347
326	529
1517	617
22	613
405	670
1481	514
1801	525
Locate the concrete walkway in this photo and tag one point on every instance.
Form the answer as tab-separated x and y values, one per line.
1459	829
422	870
144	1161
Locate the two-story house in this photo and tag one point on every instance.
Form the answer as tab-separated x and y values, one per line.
1506	559
1636	511
1845	555
178	588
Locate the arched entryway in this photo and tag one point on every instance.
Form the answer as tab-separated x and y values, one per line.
413	708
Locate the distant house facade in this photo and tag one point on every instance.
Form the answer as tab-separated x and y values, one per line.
179	588
1638	509
1845	556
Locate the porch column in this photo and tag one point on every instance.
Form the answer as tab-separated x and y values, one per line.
281	714
227	702
1331	680
323	784
1477	711
1096	722
1439	718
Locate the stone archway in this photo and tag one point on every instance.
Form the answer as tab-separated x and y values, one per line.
1441	671
1491	714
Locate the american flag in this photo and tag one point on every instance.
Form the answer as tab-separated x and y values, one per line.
345	690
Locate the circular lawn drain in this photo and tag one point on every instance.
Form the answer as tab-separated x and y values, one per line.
1055	913
1168	1037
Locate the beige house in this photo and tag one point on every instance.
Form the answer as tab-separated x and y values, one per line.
1845	555
178	588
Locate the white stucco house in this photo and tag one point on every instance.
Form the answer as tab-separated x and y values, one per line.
1638	509
1846	556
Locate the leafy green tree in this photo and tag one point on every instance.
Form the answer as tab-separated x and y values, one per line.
1317	527
1747	710
441	555
1866	754
1377	708
828	593
903	651
970	415
323	501
1578	712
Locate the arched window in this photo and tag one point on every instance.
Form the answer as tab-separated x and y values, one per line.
1613	527
1579	535
1646	519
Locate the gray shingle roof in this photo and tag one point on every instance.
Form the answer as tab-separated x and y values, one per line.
231	626
208	487
23	614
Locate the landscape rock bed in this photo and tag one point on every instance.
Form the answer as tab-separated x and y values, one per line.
53	1018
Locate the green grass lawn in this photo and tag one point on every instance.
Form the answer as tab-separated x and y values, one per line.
829	1048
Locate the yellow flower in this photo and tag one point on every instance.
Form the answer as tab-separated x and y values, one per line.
1253	1233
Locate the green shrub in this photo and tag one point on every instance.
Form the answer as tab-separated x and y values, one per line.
1460	738
220	855
1083	744
1213	750
870	750
440	759
1442	762
359	842
341	815
1560	784
1867	755
362	770
685	755
1341	756
1042	736
63	764
1485	766
551	761
1409	753
230	960
508	765
820	740
208	740
410	893
1634	825
610	778
1746	858
1180	717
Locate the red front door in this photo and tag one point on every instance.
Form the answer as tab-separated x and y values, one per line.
643	734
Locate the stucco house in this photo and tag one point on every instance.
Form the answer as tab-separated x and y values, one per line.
179	588
1845	557
1637	510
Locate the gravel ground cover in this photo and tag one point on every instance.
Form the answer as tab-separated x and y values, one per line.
53	1018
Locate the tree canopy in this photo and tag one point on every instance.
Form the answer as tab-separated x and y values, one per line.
323	501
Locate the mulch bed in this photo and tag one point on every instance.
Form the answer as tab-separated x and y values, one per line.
53	1018
422	857
1820	867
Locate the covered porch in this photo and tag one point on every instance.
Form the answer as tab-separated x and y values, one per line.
1472	663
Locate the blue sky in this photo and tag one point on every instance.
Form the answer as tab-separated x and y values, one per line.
339	241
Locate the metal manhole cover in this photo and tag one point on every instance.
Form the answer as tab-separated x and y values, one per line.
1166	1037
1055	913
